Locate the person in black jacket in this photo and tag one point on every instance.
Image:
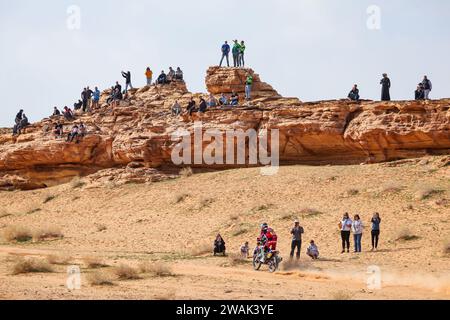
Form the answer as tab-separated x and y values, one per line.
354	93
219	245
56	112
19	117
127	76
385	88
162	79
191	107
419	94
203	106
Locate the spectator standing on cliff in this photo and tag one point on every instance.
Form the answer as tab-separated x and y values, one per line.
354	93
89	97
248	87
241	54
385	88
149	76
225	54
236	52
95	98
427	87
118	87
84	98
127	76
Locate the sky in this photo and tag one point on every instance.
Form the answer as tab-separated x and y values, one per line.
310	49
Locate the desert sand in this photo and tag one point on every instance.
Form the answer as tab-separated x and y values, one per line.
173	223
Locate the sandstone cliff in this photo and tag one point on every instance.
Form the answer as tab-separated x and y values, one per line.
132	142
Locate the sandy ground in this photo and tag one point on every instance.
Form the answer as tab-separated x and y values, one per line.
166	222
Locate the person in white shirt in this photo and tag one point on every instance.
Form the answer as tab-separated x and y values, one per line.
313	251
245	250
357	229
345	226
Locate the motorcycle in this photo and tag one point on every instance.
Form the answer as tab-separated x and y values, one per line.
272	259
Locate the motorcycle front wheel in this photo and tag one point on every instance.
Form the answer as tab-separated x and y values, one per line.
273	265
256	263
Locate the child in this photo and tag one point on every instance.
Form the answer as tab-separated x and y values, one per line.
245	251
313	251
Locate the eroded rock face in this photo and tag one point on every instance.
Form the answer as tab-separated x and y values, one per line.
133	142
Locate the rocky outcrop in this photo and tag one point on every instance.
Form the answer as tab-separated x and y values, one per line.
133	141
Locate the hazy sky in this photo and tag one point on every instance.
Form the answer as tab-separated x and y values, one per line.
311	49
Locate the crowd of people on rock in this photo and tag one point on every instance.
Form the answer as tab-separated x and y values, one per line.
422	91
268	239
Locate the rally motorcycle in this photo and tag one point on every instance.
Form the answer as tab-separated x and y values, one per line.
272	259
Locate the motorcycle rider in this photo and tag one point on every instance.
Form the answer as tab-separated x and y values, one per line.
268	241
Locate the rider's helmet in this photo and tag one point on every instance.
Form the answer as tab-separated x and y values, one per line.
264	227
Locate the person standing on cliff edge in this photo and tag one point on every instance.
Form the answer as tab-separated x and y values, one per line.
236	54
427	87
225	53
386	86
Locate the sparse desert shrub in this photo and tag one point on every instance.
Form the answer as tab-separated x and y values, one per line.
352	192
201	250
263	207
156	268
17	233
77	183
426	193
442	202
239	230
101	227
94	262
186	172
22	266
180	197
342	295
99	279
5	214
234	217
49	198
288	216
47	234
125	272
58	259
31	211
310	212
205	202
392	188
406	235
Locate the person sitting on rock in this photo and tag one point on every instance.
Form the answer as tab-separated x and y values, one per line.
179	74
73	134
354	93
118	96
171	75
58	130
18	117
419	93
203	106
162	79
68	114
212	101
219	245
78	105
21	125
56	112
223	100
234	99
82	130
176	109
191	107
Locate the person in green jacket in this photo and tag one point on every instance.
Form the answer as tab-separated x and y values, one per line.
248	87
241	54
236	53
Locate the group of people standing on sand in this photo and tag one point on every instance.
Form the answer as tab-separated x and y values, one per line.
422	92
268	238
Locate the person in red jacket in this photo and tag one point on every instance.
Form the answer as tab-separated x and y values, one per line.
268	239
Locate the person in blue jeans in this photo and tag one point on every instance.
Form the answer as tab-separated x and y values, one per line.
376	220
225	53
357	229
